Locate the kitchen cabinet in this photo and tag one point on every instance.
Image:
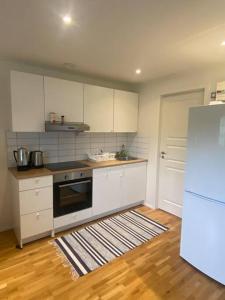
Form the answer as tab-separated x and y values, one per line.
98	108
107	194
32	208
114	189
72	219
33	97
125	111
27	102
118	187
134	186
64	98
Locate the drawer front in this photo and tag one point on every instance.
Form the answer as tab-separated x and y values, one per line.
35	183
72	218
36	223
36	200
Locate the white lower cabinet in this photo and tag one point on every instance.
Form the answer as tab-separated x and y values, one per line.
35	183
107	189
118	187
36	223
134	187
36	200
32	208
114	188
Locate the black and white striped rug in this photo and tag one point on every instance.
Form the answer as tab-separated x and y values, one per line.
93	246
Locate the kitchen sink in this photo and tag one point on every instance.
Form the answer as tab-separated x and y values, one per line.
127	158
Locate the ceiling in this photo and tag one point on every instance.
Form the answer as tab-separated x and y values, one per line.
112	38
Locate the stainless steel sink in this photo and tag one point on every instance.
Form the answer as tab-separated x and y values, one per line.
127	158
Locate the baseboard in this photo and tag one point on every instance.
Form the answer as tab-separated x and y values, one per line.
6	228
149	205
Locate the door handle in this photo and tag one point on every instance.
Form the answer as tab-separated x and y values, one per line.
74	183
163	154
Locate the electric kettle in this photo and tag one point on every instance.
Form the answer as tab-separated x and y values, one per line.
22	158
36	159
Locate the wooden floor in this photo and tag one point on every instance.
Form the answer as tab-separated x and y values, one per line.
151	271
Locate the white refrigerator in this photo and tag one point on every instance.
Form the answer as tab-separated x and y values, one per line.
203	221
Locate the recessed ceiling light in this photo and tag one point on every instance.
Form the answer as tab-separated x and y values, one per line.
138	71
223	43
67	19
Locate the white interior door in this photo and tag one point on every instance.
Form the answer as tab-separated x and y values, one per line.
173	141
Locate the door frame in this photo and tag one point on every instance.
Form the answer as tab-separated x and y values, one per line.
203	90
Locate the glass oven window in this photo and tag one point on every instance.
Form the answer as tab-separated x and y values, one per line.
73	193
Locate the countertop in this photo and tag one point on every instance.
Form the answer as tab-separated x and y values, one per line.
90	166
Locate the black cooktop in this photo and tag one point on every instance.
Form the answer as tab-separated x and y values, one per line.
65	165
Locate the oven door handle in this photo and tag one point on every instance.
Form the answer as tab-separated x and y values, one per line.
74	183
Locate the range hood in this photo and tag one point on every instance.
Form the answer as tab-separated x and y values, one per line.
67	126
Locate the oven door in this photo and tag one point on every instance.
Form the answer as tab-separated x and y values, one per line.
71	196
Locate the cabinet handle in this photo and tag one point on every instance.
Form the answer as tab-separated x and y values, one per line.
37	215
37	192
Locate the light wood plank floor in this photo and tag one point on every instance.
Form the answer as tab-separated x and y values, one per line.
151	271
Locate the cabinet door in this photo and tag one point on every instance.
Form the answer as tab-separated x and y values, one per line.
36	200
36	223
27	101
98	108
64	98
134	183
125	111
107	191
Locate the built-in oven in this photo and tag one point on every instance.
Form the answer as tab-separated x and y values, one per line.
72	192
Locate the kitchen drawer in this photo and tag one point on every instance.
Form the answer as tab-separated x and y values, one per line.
35	183
72	218
36	200
36	223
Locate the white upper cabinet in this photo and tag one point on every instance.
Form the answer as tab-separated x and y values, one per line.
64	98
98	108
27	101
33	97
125	111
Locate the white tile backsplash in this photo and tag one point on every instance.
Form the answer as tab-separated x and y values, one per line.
66	146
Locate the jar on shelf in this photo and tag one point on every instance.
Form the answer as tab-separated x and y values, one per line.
52	117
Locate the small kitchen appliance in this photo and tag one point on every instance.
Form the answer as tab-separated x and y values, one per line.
36	159
22	158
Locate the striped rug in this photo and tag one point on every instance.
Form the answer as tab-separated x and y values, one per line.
93	246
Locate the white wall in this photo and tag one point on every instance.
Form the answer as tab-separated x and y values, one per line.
67	146
5	117
149	112
5	203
